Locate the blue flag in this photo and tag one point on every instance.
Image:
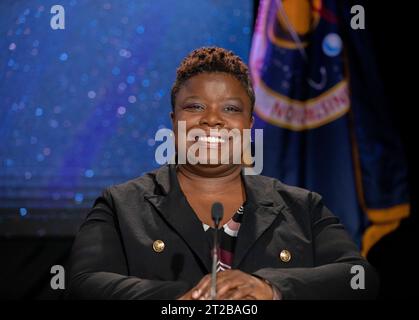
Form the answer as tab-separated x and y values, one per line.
325	119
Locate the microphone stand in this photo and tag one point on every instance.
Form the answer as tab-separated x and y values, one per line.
217	212
214	264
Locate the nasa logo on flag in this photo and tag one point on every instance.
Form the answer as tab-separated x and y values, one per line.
297	65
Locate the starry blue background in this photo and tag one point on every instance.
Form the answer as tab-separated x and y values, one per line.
79	107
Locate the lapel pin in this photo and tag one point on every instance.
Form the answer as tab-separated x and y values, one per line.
158	246
285	256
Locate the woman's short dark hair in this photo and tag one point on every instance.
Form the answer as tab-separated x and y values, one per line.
212	59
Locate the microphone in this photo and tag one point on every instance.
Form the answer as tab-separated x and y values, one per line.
217	212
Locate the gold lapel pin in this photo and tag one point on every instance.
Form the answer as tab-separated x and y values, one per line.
158	246
285	256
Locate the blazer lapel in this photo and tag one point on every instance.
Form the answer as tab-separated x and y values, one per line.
177	212
262	208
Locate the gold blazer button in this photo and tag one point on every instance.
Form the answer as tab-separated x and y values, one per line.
285	255
158	246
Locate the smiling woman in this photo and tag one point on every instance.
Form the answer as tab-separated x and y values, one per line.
150	238
209	102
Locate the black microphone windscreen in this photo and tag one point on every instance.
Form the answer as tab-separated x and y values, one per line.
217	212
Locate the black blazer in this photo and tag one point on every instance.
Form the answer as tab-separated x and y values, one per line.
113	255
